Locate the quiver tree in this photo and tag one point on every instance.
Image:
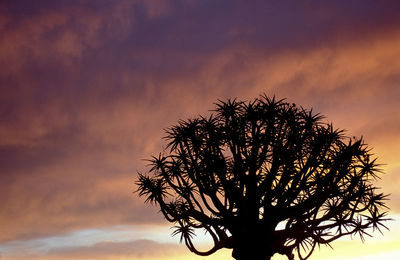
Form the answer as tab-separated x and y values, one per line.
264	177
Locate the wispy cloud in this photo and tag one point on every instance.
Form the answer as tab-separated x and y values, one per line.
86	89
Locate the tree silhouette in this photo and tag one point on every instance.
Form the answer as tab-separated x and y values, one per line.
264	177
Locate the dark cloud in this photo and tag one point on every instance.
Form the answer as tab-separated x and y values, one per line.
88	86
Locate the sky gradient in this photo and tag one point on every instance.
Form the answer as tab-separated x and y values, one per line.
87	87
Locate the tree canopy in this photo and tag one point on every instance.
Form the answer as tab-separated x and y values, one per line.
264	177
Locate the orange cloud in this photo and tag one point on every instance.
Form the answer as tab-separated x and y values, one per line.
86	99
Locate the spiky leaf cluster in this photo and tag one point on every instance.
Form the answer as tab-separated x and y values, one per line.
266	170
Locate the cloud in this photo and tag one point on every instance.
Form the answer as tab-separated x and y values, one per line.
135	249
87	89
138	248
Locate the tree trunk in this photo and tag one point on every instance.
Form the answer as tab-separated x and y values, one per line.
250	254
251	248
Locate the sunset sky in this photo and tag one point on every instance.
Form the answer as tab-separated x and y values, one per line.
87	87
